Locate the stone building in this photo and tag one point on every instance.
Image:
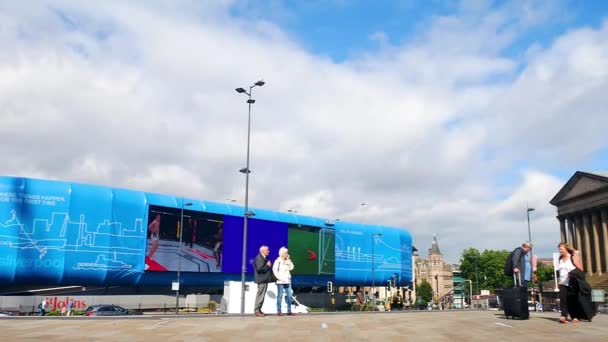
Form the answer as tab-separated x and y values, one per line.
435	271
582	211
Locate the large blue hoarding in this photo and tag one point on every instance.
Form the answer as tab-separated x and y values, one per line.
62	233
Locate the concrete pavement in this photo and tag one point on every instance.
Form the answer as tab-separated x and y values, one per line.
450	326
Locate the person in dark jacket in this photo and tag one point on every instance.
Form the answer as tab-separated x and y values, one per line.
521	269
263	276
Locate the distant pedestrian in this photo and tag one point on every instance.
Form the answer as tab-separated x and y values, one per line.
70	307
42	307
263	276
282	271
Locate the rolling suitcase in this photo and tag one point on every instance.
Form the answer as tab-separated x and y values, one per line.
515	300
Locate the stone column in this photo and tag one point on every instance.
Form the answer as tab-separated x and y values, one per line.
586	250
595	228
578	223
562	229
571	232
604	218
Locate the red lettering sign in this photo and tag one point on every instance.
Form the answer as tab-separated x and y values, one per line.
56	303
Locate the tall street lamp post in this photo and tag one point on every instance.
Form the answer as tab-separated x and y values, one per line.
528	210
374	236
246	171
437	289
179	262
470	293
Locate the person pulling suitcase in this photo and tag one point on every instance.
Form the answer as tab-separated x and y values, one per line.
515	299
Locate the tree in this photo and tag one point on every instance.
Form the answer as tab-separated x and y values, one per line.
493	264
468	263
424	291
544	272
485	270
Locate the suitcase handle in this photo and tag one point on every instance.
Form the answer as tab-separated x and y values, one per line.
515	279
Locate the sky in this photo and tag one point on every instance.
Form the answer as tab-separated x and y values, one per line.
444	117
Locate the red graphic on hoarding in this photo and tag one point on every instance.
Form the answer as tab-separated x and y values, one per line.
201	254
153	265
311	255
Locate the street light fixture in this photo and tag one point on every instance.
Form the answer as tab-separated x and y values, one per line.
246	170
470	293
437	289
374	236
179	267
528	210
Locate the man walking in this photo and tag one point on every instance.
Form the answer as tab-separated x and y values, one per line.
521	263
263	276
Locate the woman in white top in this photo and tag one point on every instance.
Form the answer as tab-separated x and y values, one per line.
568	260
282	268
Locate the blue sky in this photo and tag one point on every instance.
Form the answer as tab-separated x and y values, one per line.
340	29
343	29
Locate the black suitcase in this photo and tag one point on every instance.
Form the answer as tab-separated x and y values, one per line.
515	301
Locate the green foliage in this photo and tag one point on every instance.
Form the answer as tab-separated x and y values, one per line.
545	273
359	307
468	262
424	291
53	313
485	269
212	305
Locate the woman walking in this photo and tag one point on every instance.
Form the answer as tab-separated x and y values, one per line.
569	260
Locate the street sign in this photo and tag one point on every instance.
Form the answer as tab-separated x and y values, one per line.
175	286
597	296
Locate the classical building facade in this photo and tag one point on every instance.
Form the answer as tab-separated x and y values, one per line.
582	211
435	271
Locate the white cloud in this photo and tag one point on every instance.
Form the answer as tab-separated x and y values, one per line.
143	97
555	107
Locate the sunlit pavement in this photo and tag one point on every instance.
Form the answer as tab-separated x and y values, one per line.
451	326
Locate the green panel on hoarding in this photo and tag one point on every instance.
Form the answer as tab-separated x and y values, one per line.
312	250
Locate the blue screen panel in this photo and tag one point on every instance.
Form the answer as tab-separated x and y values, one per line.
259	232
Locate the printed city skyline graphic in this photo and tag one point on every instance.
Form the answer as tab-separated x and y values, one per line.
108	247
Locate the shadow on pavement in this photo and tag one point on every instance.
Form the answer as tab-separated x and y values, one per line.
554	319
502	316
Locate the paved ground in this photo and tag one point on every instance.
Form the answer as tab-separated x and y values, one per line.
487	326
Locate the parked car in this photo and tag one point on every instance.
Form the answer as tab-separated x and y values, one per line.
602	308
5	314
108	310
